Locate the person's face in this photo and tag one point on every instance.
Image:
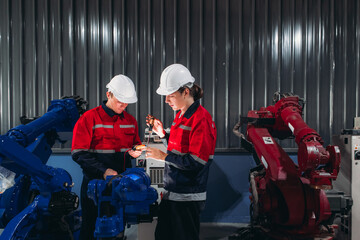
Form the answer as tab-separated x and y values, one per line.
115	104
176	100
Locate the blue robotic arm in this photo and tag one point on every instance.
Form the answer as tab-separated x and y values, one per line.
25	150
121	200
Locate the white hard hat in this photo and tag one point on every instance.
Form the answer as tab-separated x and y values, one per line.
123	89
174	77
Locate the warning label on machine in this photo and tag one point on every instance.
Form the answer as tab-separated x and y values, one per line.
268	140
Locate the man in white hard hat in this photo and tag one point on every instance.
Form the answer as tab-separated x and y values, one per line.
102	142
190	151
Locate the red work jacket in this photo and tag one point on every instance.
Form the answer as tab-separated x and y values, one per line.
100	139
191	147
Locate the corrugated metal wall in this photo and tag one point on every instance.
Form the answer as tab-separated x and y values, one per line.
240	51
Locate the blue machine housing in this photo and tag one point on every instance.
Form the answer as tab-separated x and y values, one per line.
39	190
121	200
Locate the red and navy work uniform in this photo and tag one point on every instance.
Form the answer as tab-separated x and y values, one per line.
190	148
100	141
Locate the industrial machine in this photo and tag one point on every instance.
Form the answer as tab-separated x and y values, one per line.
122	199
155	169
349	178
288	200
37	205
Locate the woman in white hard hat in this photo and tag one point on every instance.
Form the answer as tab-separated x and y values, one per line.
190	150
102	142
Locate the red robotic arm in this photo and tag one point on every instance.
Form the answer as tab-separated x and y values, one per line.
290	196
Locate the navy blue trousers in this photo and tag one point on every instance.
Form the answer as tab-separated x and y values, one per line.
179	220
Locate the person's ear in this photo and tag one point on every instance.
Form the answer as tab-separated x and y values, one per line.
187	92
108	95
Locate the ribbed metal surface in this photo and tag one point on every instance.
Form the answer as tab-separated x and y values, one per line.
240	51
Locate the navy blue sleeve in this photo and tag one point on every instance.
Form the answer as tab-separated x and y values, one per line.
91	166
185	162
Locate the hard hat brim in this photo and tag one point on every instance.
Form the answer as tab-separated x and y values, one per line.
164	92
126	100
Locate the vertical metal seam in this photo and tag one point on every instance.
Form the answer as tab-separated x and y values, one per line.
188	33
292	70
213	36
240	55
175	37
305	54
48	55
149	57
345	61
86	47
11	64
227	48
100	51
162	104
124	41
175	33
1	78
35	80
318	45
252	60
201	56
21	59
240	62
22	76
137	54
112	27
61	52
266	53
357	37
332	69
279	45
73	49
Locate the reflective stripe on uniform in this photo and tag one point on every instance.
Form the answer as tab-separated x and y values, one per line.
99	150
172	164
102	150
186	196
199	160
177	152
185	127
127	126
78	150
173	124
102	126
196	158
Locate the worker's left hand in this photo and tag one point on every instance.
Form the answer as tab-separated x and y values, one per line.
134	154
155	153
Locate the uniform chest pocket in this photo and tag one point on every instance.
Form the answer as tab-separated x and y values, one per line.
126	136
127	129
183	137
103	135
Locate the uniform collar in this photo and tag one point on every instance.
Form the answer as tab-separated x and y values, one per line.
190	111
109	111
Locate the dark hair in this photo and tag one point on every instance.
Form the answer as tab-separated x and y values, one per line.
195	91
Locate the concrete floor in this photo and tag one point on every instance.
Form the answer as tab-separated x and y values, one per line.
208	231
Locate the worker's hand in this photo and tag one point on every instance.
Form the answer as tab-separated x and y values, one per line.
110	172
135	154
155	153
157	125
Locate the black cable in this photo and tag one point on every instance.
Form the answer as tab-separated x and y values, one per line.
110	182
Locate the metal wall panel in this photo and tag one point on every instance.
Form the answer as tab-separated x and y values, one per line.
239	51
